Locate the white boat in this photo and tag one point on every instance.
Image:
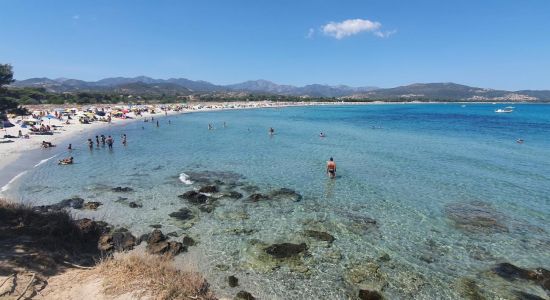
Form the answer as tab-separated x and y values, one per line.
508	109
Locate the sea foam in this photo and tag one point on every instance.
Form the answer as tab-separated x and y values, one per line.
44	161
7	186
185	178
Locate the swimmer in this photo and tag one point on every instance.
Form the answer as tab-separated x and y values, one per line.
210	127
271	131
331	168
321	135
70	147
520	141
66	161
90	144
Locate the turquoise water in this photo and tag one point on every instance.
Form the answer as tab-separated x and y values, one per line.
419	170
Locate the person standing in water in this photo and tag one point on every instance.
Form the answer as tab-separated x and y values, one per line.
90	144
157	123
124	139
331	168
97	141
271	131
110	142
103	139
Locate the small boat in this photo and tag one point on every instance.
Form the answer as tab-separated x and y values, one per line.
508	109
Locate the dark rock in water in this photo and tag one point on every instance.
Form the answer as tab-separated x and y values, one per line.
156	226
194	197
183	214
75	202
92	205
468	289
233	195
257	197
172	234
120	189
155	236
213	177
370	295
476	217
427	258
285	250
91	229
188	241
526	296
208	189
361	224
539	276
511	272
384	257
244	295
319	235
232	281
285	193
157	244
134	205
142	238
207	208
120	199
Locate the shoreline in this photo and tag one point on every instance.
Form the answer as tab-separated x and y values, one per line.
10	153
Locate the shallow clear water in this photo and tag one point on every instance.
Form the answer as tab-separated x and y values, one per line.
412	168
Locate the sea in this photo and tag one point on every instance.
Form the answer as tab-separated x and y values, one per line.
428	199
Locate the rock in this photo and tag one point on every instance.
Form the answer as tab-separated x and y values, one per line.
92	205
105	243
75	202
468	289
250	188
244	295
370	295
155	226
427	258
286	194
360	224
510	272
526	296
120	189
155	236
91	229
188	241
285	250
157	244
134	205
257	197
183	214
319	235
232	281
208	189
172	234
194	197
123	241
384	257
476	217
207	208
233	195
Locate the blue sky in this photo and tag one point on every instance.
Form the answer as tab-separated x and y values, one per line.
486	43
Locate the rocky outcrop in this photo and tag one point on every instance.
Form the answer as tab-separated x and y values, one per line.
233	195
75	203
257	197
320	235
157	243
209	189
134	205
511	272
92	205
194	197
118	240
285	194
232	281
244	295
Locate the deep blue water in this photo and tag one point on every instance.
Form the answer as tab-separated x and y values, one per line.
421	171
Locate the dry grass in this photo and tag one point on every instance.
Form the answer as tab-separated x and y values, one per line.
150	276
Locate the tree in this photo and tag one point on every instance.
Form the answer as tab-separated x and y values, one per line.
7	103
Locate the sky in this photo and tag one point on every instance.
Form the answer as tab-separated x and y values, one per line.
501	44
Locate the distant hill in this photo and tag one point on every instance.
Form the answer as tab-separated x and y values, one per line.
183	86
451	92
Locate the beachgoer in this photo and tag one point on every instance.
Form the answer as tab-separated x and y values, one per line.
169	122
66	161
271	131
103	140
70	147
321	135
124	139
90	144
157	123
520	141
97	140
110	142
331	168
224	125
20	134
210	127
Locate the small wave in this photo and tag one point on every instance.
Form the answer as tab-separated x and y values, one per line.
44	160
7	186
185	178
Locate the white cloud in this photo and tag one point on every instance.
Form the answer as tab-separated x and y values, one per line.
75	17
310	33
340	30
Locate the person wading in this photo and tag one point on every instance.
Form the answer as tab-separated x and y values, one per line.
331	168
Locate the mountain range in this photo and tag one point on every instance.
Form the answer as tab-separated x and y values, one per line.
182	86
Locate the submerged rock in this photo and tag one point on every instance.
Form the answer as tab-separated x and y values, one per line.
320	235
183	214
92	205
257	197
285	194
75	203
155	226
476	217
233	195
369	295
244	295
120	189
207	208
285	250
213	177
209	189
232	281
194	197
511	272
118	240
188	241
250	188
134	205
